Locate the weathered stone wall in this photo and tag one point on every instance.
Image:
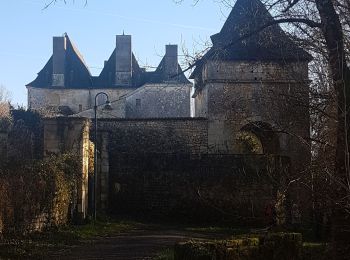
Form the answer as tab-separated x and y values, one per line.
117	111
62	135
40	98
270	97
181	135
242	93
145	136
216	188
250	71
201	103
161	167
159	101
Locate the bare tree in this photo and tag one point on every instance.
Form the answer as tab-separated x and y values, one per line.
322	26
4	104
52	2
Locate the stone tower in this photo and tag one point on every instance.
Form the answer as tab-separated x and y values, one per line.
253	88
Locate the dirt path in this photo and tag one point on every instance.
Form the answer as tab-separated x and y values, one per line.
138	244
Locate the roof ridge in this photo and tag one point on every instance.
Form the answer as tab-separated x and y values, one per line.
77	52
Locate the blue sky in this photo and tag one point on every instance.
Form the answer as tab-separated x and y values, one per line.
27	30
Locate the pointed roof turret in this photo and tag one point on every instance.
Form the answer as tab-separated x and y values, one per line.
241	37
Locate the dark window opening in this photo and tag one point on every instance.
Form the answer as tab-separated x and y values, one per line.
80	107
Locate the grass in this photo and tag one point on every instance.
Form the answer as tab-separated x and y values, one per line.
315	251
64	239
165	254
37	245
218	230
311	251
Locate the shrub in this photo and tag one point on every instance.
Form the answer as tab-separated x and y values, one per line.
39	194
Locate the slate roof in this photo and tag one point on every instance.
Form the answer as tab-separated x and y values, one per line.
78	76
237	39
139	75
160	76
77	73
107	75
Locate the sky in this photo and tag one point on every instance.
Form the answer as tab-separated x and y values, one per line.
27	30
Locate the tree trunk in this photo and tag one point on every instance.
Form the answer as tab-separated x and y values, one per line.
333	34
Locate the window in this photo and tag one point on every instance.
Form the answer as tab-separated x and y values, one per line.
138	103
80	107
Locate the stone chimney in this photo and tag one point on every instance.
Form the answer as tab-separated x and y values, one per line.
171	62
123	68
59	61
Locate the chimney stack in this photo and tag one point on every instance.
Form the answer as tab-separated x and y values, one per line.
123	73
59	61
171	62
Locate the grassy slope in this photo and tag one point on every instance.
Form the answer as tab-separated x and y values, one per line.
37	245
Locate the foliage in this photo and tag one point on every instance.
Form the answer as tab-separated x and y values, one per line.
100	228
26	135
5	117
38	245
39	194
249	143
165	254
315	251
5	123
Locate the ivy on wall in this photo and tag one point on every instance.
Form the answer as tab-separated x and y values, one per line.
39	194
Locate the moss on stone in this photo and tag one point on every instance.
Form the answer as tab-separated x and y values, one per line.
270	246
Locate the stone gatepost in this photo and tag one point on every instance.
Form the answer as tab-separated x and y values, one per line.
62	135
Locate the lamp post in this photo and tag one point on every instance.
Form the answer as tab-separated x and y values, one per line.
106	106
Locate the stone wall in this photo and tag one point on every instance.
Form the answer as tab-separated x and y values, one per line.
145	136
178	135
76	99
117	111
235	95
161	167
269	100
159	101
214	188
250	71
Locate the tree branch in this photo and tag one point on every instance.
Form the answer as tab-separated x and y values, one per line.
305	21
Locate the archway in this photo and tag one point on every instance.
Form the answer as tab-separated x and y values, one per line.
258	138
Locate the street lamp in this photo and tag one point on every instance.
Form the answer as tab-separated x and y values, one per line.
107	106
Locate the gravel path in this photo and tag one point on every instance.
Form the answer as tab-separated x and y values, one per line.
138	244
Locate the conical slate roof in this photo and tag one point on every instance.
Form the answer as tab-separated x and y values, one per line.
241	37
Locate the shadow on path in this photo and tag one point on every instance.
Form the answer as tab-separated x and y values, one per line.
138	244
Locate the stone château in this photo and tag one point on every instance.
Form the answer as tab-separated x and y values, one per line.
248	139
